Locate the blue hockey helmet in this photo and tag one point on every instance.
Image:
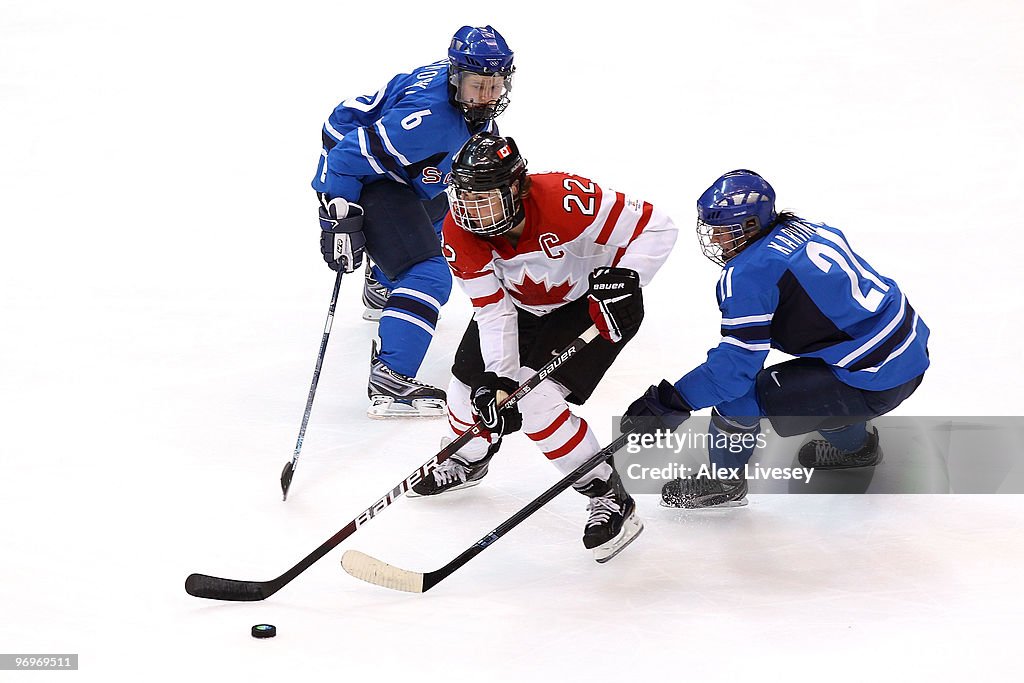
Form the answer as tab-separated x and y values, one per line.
736	210
479	73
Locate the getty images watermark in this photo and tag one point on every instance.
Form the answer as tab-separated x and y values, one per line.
919	455
677	443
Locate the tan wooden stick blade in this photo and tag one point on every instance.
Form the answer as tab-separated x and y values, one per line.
372	570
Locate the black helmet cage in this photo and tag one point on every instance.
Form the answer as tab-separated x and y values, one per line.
723	242
485	193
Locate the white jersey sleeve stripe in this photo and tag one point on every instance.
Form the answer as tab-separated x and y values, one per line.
361	136
747	319
743	345
903	347
390	147
882	334
332	132
366	152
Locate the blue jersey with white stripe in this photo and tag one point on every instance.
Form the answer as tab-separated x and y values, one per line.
407	131
802	289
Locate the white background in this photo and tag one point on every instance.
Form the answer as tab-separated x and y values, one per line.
162	297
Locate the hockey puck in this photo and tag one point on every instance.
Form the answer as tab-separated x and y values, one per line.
264	631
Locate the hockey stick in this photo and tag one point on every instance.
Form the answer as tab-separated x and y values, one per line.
289	469
203	586
372	570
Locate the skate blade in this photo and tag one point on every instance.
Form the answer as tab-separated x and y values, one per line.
386	408
465	485
631	528
742	502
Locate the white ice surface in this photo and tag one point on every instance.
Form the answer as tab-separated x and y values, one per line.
161	301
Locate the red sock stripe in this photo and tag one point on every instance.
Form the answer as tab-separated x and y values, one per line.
451	417
459	430
457	425
551	428
488	300
570	444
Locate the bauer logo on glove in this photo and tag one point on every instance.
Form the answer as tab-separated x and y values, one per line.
616	302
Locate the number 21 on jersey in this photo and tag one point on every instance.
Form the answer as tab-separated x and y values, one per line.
865	288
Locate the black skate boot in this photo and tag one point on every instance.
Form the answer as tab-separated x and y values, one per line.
701	492
453	474
395	395
375	295
821	455
613	523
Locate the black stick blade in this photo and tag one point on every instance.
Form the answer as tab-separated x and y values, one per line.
286	478
214	588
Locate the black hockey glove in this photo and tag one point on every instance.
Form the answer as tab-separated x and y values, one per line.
660	408
485	398
616	302
341	238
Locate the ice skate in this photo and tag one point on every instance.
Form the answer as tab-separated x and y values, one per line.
613	523
453	474
395	395
375	295
702	492
821	455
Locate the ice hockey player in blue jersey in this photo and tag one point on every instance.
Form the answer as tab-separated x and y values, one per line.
795	286
381	187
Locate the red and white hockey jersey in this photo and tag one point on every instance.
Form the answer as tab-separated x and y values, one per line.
572	227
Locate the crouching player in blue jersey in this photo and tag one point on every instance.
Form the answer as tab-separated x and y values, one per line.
381	185
799	287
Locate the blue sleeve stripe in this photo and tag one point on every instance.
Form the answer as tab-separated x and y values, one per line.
757	333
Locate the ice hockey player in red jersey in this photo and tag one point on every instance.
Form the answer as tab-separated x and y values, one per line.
543	257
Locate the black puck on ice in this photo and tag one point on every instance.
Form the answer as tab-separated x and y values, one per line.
264	631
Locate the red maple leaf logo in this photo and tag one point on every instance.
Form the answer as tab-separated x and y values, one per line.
534	293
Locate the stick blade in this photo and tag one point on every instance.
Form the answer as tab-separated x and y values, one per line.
372	570
286	478
215	588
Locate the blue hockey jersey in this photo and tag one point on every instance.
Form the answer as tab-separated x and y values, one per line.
802	289
407	131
